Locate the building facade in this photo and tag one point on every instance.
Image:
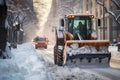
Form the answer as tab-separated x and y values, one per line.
108	28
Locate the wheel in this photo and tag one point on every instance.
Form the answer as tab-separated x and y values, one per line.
55	54
60	56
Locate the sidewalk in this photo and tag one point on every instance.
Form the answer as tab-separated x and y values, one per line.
115	59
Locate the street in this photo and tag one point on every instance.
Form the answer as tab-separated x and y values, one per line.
109	72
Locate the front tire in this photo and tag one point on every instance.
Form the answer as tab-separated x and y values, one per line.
60	56
55	54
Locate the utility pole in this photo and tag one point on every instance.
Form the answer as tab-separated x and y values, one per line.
103	20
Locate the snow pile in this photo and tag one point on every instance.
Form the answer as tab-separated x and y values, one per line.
114	51
10	71
74	46
103	49
74	49
24	65
7	53
112	48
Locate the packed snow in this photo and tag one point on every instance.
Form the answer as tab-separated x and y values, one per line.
74	49
5	53
27	64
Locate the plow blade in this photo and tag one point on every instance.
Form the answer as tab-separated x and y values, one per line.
86	52
89	59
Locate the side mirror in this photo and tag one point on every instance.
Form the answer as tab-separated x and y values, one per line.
62	22
99	22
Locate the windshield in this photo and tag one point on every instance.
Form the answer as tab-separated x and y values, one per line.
77	23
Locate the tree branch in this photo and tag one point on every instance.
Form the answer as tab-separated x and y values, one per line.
109	12
116	3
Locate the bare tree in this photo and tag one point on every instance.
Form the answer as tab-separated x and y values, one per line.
116	3
14	23
116	17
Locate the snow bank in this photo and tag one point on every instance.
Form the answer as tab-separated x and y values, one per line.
114	51
112	48
7	53
115	57
10	71
24	65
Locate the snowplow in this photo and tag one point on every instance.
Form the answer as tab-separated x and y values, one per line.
76	42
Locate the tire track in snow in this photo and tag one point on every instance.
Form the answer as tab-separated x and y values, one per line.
47	54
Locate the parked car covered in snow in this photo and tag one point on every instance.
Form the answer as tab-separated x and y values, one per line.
41	42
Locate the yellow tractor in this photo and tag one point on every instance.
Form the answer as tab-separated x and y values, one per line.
76	40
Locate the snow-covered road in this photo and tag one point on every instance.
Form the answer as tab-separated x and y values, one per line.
111	73
27	63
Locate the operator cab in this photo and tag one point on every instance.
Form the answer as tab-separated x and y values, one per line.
80	24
